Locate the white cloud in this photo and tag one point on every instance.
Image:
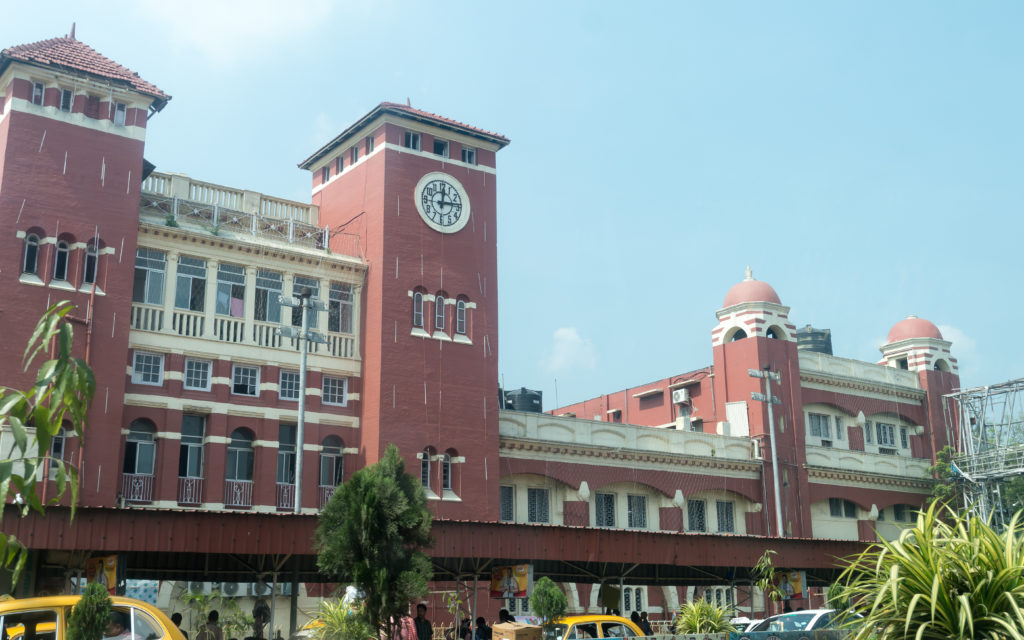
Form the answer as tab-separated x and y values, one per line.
962	343
224	31
569	351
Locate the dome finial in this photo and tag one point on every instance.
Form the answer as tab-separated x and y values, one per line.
72	30
749	274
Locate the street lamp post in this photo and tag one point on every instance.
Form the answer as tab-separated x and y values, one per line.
767	396
307	303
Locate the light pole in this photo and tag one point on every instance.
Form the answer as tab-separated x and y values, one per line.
307	303
767	396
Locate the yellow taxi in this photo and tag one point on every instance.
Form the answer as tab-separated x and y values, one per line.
587	627
47	619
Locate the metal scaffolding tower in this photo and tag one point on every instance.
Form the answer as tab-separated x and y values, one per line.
988	423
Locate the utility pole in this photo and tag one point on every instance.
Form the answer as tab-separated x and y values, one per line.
767	396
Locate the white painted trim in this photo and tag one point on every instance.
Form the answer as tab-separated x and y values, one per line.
227	408
132	132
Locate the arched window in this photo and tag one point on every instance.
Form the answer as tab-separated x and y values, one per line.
439	313
60	261
417	309
332	465
92	255
240	455
446	472
737	334
941	365
140	449
774	333
425	468
31	262
460	317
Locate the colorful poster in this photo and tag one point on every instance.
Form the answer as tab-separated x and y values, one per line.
512	582
102	570
793	584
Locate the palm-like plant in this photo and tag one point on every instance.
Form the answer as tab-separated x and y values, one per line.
337	621
948	577
700	616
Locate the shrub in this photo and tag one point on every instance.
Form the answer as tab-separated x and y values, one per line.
547	600
700	616
90	617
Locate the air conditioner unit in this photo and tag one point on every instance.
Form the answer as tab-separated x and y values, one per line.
231	589
199	587
258	589
679	396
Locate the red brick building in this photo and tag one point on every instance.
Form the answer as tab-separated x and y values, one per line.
195	420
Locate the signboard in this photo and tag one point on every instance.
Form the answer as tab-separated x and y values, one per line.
104	571
793	584
513	581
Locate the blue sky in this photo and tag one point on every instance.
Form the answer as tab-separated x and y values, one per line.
864	158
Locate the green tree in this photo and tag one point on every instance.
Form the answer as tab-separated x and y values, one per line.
944	490
371	534
547	600
30	419
700	616
91	615
947	577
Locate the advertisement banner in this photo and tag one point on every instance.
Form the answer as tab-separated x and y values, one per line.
793	584
102	570
513	581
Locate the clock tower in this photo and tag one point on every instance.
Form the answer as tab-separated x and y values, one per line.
414	195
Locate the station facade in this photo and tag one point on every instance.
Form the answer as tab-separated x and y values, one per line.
177	283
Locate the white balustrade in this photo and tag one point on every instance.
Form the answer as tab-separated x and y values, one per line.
190	491
285	496
326	493
238	494
228	329
137	487
188	323
147	318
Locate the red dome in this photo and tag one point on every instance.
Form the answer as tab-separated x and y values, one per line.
750	290
913	327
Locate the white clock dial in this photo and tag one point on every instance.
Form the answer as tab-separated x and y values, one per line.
442	202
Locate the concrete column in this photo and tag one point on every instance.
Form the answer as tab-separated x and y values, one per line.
210	305
170	287
250	305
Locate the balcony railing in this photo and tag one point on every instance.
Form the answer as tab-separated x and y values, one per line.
238	494
285	496
137	488
190	491
325	495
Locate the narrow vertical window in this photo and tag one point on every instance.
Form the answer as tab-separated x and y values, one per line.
355	155
460	317
332	467
325	174
286	454
446	473
231	290
507	497
412	141
92	256
441	148
604	509
31	262
66	99
240	456
439	313
341	165
190	453
339	308
369	145
469	155
60	261
191	288
37	93
417	309
269	285
120	112
298	284
425	468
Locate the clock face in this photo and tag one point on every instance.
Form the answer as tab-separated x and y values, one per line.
442	202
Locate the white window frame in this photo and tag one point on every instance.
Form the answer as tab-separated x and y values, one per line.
469	155
460	317
62	249
325	173
602	510
340	165
412	140
209	373
31	246
417	310
353	154
440	318
886	432
38	89
425	480
235	370
731	510
369	145
819	425
92	254
120	113
636	511
446	472
66	96
339	388
692	505
138	377
445	148
281	386
535	495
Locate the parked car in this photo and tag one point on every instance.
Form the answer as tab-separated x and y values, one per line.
47	618
587	627
808	620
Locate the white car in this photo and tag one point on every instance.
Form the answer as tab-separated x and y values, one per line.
803	620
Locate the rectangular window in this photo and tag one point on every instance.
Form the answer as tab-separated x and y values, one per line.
57	448
286	453
369	145
411	141
197	374
231	290
245	380
150	269
469	155
339	308
190	454
696	515
604	509
636	512
325	174
839	427
441	148
288	389
726	522
66	99
460	317
148	368
819	425
868	428
354	155
269	285
37	93
508	512
839	508
537	505
92	107
334	391
300	283
191	290
340	165
899	512
886	434
904	438
120	112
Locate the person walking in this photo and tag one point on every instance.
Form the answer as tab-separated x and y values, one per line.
424	631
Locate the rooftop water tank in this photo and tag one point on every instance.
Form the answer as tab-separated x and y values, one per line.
524	399
816	340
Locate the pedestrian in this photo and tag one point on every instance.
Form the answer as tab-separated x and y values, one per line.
505	616
635	619
211	630
176	619
645	624
423	629
483	632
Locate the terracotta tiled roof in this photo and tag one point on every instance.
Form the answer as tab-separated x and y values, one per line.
433	116
407	111
72	54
